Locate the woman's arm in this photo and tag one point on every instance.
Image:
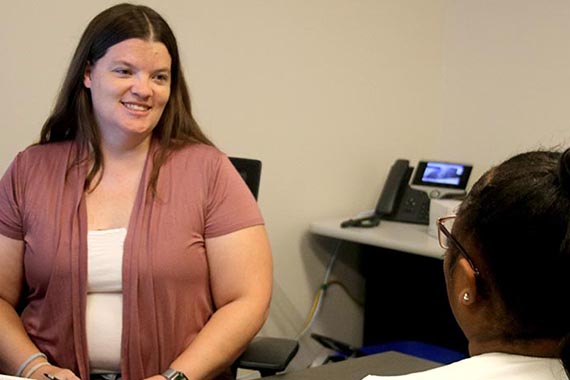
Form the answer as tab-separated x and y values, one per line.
241	275
15	345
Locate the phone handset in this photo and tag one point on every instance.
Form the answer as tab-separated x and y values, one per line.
391	194
394	187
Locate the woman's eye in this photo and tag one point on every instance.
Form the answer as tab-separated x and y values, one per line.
161	78
122	71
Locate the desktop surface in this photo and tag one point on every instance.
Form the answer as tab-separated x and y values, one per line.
405	237
386	363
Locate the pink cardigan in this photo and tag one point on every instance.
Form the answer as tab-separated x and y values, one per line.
166	286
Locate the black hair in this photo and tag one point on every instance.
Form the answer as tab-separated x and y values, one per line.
518	215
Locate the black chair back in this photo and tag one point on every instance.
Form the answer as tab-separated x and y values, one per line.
250	171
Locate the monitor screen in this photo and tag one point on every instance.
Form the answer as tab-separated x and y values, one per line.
442	174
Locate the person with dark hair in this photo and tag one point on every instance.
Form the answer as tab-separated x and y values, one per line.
506	261
130	247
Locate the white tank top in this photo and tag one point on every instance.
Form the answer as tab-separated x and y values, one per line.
104	315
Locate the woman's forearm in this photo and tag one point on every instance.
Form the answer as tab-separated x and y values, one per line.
223	339
241	280
15	344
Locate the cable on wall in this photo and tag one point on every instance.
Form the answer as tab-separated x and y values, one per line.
320	293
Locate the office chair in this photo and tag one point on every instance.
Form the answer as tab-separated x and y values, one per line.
250	171
267	355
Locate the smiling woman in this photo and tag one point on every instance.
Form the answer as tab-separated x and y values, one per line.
130	86
135	259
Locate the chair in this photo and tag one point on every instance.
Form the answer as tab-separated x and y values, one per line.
250	171
267	355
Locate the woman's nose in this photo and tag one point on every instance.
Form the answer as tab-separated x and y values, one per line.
141	87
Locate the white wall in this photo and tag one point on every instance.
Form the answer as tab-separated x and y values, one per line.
506	78
327	93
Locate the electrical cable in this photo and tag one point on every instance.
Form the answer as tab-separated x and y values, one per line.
343	286
320	294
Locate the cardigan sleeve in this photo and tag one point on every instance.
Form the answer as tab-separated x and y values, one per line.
10	188
230	204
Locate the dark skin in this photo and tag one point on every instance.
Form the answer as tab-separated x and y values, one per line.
483	320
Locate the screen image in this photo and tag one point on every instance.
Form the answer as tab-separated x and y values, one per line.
442	173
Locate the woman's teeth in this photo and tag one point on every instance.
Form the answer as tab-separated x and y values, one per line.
135	107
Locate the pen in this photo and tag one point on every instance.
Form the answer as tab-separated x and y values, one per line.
50	377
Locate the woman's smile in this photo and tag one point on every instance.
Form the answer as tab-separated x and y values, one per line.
130	87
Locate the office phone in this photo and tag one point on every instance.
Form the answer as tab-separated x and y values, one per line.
407	200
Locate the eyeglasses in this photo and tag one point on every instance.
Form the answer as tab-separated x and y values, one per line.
445	237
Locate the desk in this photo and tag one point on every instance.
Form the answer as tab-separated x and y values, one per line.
405	288
411	238
387	363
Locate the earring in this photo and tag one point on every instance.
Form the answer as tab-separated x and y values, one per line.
466	297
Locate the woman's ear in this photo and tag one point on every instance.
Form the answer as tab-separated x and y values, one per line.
465	283
87	76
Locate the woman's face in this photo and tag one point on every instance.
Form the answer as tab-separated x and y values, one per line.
130	86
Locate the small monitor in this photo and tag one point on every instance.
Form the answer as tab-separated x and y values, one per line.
447	177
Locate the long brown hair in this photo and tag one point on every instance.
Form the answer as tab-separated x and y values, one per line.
72	117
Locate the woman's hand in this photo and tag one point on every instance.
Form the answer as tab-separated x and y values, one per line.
57	372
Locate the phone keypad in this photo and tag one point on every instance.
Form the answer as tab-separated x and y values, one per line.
418	209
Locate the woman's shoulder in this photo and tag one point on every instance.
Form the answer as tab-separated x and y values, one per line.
197	155
494	365
202	150
50	154
48	149
41	166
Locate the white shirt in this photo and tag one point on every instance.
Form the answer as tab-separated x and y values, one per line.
104	314
490	366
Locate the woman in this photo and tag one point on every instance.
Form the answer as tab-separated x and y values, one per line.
506	269
129	245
